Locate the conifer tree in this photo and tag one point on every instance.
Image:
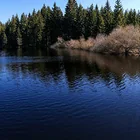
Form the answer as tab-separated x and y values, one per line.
44	11
70	28
35	28
118	14
47	27
39	28
126	17
134	17
100	26
12	28
108	17
56	23
44	15
90	22
80	21
138	18
130	17
4	39
23	28
31	29
18	37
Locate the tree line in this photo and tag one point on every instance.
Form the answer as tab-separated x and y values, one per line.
42	28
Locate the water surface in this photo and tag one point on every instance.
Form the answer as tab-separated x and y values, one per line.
68	95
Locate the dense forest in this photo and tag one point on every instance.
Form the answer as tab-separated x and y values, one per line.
42	28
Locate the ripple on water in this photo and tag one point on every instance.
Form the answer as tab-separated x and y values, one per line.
69	95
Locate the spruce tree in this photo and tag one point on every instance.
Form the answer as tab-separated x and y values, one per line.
47	27
12	28
107	14
39	28
18	37
126	17
138	18
4	39
56	23
44	11
44	15
35	28
31	29
80	21
134	17
23	28
70	28
100	26
90	22
118	14
130	17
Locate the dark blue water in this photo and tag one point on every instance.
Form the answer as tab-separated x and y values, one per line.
68	95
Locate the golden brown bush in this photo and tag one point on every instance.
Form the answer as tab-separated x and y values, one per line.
123	40
80	44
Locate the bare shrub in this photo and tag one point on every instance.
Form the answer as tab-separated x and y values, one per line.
60	39
123	40
74	44
80	44
120	41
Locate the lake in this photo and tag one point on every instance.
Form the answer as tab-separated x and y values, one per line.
68	95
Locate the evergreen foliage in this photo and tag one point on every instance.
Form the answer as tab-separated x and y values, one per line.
100	25
118	14
108	18
70	19
42	28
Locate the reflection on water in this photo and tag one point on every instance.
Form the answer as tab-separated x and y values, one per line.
68	94
74	65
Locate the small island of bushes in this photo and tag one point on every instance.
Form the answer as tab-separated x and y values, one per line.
122	41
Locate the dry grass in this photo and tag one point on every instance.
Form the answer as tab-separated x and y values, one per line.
123	40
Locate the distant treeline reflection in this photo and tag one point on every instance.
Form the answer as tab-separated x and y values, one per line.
73	66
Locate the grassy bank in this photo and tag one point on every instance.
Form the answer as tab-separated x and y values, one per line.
123	40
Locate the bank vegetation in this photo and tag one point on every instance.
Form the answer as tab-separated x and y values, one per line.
122	41
93	28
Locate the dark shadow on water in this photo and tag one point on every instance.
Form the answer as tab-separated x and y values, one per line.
73	64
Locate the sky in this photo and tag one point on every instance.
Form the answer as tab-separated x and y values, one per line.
13	7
